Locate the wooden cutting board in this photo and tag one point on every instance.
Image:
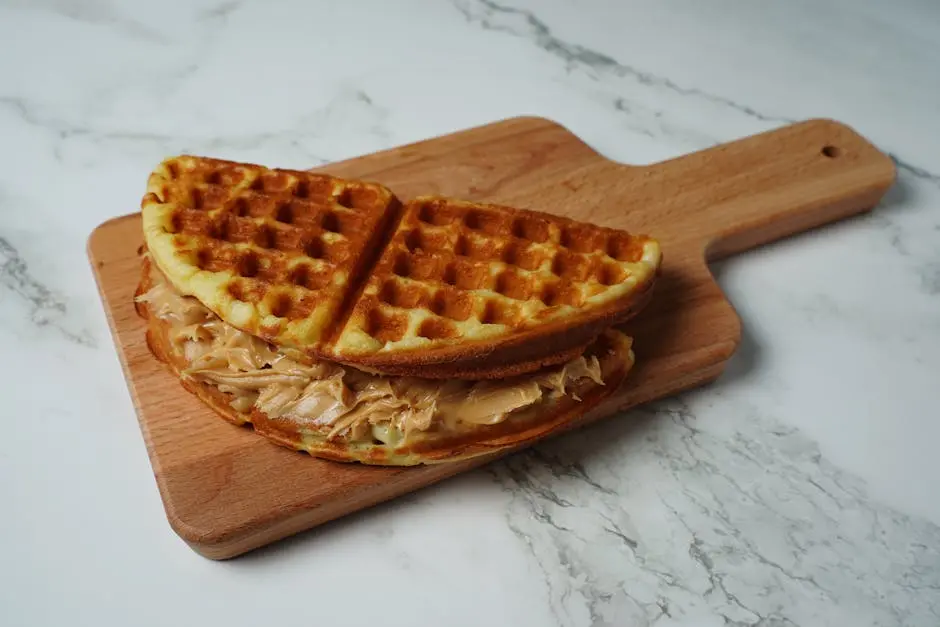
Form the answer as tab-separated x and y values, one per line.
227	491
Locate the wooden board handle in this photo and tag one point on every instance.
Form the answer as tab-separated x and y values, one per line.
748	192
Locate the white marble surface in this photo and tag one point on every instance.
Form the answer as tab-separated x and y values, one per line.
801	489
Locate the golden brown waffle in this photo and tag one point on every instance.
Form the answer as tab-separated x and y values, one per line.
441	289
468	290
273	252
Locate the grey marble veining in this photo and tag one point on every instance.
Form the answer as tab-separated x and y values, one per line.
714	521
40	306
347	104
94	12
524	23
799	489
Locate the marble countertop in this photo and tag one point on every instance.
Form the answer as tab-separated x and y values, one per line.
799	489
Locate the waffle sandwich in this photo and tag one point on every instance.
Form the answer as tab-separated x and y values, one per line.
339	321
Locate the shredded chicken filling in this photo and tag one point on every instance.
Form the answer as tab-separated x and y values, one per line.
340	401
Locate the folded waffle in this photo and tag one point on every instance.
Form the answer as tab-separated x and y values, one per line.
436	288
340	322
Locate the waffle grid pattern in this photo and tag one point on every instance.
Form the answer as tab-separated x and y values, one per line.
456	270
269	250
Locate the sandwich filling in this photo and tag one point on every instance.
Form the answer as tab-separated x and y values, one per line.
339	401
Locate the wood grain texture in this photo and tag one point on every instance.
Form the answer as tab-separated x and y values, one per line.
227	491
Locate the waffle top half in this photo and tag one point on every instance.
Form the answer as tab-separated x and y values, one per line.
341	270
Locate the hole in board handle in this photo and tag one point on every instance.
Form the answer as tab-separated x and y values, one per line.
830	151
